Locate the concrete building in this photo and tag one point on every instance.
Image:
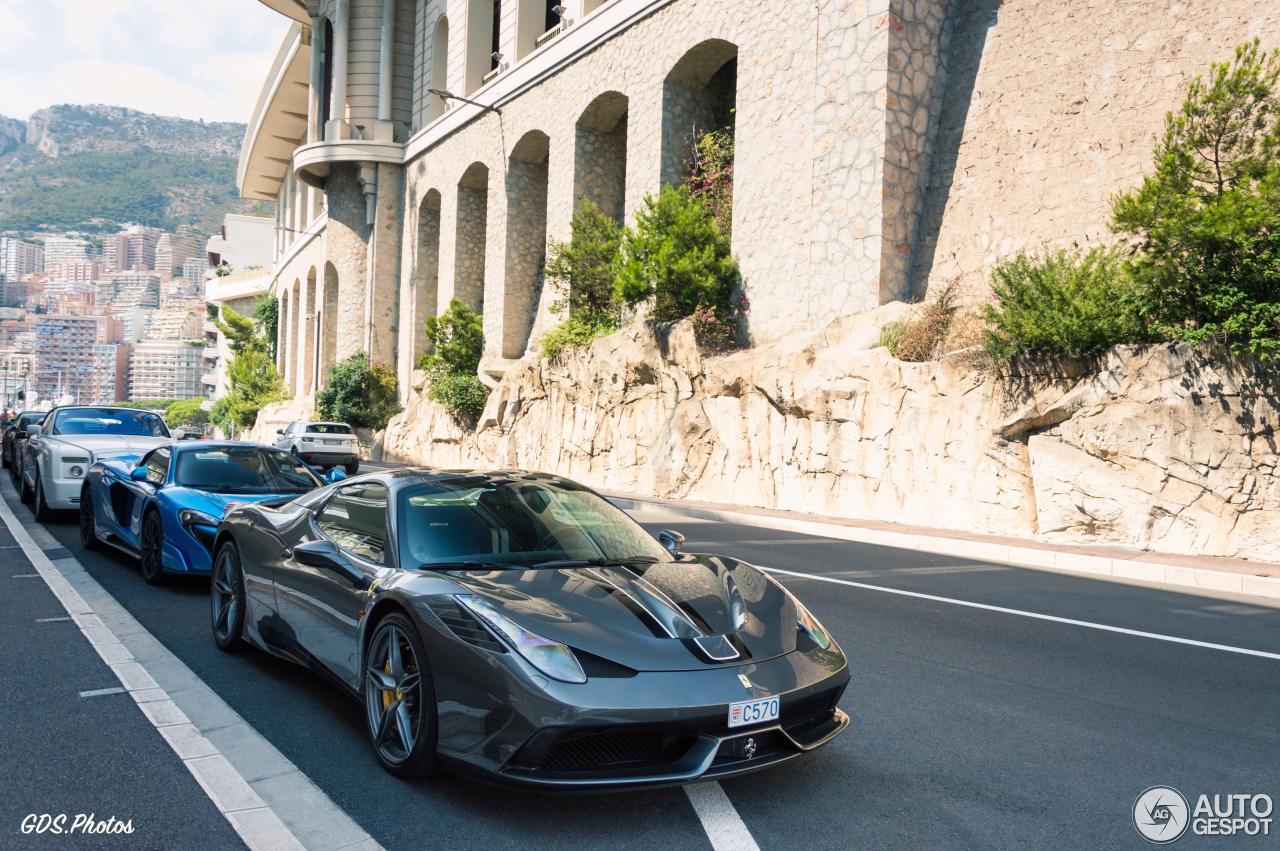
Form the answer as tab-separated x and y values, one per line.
241	293
18	259
173	250
124	291
80	271
132	249
68	361
882	149
243	242
193	272
166	369
59	250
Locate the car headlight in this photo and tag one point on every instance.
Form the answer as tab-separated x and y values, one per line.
190	517
810	626
550	657
76	471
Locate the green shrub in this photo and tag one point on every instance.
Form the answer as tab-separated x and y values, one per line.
1068	303
253	382
461	394
359	393
583	267
710	177
574	333
677	258
1206	222
457	340
266	313
186	412
922	336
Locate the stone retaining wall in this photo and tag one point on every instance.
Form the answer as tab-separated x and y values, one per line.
1160	449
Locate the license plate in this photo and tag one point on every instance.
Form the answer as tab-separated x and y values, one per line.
331	442
753	711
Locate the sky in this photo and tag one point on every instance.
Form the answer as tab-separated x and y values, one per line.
191	58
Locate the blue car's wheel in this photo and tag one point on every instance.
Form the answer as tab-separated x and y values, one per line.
88	538
152	548
400	699
226	595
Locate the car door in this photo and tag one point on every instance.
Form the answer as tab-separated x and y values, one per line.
285	441
321	604
127	497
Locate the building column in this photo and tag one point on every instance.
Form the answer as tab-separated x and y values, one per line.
335	130
386	58
314	109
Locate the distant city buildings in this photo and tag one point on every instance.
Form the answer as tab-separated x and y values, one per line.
124	321
60	250
244	247
166	369
69	359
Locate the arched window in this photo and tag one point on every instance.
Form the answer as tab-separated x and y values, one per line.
439	69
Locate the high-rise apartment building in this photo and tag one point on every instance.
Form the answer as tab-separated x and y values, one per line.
65	249
68	364
130	291
18	259
173	250
132	249
166	369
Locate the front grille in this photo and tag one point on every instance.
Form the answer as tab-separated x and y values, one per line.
620	747
806	711
464	626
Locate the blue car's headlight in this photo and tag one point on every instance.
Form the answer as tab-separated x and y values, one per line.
203	527
550	657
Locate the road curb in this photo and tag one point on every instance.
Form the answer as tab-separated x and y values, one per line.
1177	577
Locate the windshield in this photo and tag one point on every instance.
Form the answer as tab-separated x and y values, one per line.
519	522
328	428
243	469
109	421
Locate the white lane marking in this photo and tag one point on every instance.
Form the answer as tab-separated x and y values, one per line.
25	576
719	819
53	620
1226	648
99	692
257	823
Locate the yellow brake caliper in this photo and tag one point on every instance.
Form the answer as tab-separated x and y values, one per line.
386	695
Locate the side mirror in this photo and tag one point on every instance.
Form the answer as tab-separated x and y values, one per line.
323	555
279	431
335	474
33	431
138	474
671	541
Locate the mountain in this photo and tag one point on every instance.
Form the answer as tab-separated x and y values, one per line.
92	168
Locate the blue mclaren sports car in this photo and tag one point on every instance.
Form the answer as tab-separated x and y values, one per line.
165	506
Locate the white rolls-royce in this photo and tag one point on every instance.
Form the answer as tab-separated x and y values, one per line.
59	450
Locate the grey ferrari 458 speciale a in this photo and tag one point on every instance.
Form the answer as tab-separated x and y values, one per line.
519	627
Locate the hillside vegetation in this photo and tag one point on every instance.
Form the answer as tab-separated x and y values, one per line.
92	168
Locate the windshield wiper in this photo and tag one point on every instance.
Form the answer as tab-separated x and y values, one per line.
595	562
465	565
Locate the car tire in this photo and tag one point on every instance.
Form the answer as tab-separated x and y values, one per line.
226	599
353	468
392	698
24	490
88	524
151	547
39	505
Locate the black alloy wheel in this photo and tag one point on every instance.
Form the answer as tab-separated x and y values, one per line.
152	548
88	538
226	596
400	699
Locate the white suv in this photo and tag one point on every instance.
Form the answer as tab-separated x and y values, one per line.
322	444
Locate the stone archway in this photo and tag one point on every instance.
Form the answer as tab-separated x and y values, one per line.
526	244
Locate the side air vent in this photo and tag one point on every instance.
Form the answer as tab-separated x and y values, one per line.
464	626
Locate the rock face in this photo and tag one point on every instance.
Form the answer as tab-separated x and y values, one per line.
1159	448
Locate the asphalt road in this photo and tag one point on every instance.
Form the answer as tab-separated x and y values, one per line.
972	727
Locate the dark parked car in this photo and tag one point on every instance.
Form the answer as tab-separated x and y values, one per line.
15	433
519	627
